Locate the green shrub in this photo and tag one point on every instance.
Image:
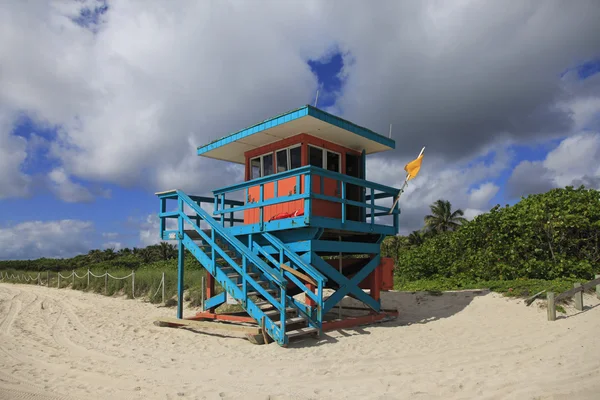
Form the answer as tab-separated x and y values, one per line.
546	236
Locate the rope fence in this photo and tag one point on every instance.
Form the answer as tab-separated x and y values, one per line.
24	277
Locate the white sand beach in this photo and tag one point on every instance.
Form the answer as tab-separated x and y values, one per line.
66	344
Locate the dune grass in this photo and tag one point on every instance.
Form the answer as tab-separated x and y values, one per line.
512	288
147	282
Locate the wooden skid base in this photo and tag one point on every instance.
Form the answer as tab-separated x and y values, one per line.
356	321
209	325
222	317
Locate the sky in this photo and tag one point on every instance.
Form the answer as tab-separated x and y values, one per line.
103	103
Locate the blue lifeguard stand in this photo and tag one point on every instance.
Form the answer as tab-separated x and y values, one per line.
305	221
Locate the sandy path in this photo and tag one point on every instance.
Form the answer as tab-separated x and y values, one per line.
65	344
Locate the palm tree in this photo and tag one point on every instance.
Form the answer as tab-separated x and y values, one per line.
95	256
416	238
442	218
146	254
167	250
125	251
109	254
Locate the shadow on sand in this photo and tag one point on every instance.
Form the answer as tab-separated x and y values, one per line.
413	308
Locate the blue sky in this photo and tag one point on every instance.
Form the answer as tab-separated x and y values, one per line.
97	116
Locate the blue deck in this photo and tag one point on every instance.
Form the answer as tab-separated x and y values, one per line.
376	219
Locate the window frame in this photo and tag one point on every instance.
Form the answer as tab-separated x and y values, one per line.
274	154
261	172
324	157
288	155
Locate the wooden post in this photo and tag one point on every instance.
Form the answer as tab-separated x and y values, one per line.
578	298
88	276
48	278
163	288
132	284
203	295
106	282
551	306
340	271
39	278
73	277
597	287
58	284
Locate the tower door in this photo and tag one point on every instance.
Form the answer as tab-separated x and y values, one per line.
354	192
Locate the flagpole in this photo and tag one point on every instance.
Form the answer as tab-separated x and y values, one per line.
403	186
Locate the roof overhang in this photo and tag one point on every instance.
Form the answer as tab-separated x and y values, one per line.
309	120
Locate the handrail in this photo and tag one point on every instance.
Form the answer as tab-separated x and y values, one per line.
304	170
171	194
352	180
309	269
229	260
265	179
210	200
235	242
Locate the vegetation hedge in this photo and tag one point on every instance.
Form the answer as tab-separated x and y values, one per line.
543	236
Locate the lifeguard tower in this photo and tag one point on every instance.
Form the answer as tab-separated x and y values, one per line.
302	232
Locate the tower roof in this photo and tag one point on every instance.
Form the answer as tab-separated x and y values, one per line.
307	119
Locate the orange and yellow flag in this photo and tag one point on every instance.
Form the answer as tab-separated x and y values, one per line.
413	167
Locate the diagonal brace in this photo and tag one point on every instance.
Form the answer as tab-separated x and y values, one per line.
348	286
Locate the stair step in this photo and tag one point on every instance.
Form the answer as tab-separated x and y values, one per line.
195	235
235	274
290	321
301	331
217	255
259	282
256	293
273	312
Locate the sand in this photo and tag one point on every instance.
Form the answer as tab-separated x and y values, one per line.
66	344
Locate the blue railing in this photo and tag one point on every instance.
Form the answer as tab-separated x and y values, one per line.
209	261
375	191
220	240
215	228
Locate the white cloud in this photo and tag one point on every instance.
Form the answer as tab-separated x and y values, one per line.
112	245
150	231
137	93
35	239
575	157
480	197
440	180
13	152
574	162
66	189
135	100
471	213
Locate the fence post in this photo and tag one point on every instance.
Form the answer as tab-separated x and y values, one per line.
39	278
578	298
163	288
88	276
105	282
597	287
58	284
73	277
551	306
48	278
133	284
